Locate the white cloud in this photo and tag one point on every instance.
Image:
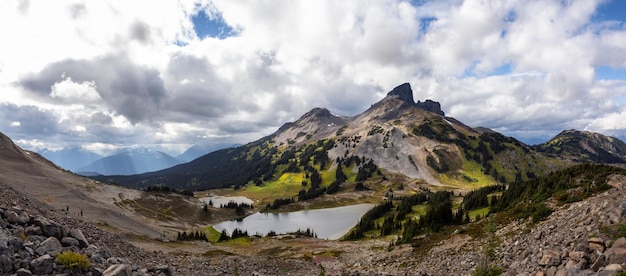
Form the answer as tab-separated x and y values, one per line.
71	91
116	72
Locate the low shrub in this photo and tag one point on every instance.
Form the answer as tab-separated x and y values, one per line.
72	260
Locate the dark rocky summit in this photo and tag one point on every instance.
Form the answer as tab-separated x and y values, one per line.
404	93
431	106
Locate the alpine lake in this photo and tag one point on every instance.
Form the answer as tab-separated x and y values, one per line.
327	223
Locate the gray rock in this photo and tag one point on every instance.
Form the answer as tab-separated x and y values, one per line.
617	258
6	265
574	272
598	263
12	216
578	255
614	267
96	271
42	265
16	243
4	243
596	244
118	270
571	263
581	247
163	270
610	270
103	253
23	272
78	235
49	246
50	228
28	246
33	231
550	258
618	245
17	217
68	241
24	263
617	253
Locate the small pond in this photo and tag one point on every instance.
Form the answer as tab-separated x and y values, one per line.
329	223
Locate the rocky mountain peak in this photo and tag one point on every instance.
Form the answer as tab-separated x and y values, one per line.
321	117
585	146
403	92
319	112
431	106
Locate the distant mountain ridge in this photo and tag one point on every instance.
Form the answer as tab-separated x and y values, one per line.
70	158
585	146
413	140
197	150
130	162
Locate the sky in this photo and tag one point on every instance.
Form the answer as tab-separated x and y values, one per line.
169	74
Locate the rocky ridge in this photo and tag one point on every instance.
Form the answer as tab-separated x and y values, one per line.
404	93
585	146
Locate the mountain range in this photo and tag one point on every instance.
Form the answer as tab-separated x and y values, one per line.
130	162
401	137
555	216
70	158
126	162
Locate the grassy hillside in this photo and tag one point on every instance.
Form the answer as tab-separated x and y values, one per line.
427	211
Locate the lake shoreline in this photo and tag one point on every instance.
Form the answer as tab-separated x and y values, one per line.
326	223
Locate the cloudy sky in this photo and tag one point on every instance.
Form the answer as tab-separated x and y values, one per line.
169	74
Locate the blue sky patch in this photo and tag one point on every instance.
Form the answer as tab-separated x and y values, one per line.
425	24
614	10
504	69
610	73
211	26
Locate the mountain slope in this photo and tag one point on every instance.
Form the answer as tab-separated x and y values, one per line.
118	208
131	162
404	138
40	180
585	146
196	151
70	158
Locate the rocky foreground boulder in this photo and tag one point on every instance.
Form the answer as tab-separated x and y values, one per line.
29	245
